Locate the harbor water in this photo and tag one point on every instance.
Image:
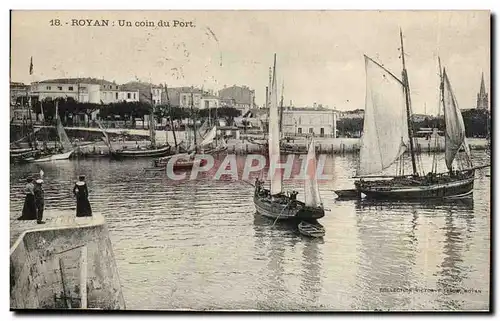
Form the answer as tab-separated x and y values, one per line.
198	244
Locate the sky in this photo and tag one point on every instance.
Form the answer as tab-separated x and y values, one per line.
319	53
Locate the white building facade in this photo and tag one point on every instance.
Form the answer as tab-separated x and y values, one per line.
309	122
85	90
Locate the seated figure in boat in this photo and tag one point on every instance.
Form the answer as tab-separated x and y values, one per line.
258	186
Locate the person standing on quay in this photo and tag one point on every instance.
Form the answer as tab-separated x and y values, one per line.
29	208
81	193
39	200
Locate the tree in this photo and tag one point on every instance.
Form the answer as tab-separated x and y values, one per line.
228	113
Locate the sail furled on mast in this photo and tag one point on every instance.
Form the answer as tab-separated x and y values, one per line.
385	129
311	189
209	137
274	136
63	137
455	128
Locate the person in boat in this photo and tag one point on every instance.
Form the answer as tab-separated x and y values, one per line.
29	208
81	193
257	185
39	200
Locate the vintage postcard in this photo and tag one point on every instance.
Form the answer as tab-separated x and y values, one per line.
250	160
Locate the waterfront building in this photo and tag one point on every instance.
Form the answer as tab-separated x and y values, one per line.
18	93
309	121
146	92
85	90
239	97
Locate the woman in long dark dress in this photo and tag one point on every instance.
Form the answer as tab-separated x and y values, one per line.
29	208
81	193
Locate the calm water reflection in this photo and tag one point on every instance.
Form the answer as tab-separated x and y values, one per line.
198	244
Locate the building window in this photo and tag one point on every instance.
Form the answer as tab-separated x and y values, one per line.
49	88
59	87
128	95
300	120
116	96
311	131
300	130
70	88
322	131
134	96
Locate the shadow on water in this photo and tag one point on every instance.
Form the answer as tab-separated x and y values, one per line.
391	239
452	270
431	204
311	280
277	241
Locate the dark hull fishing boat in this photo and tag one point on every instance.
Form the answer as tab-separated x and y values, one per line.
273	202
180	161
388	134
445	185
141	153
23	156
284	208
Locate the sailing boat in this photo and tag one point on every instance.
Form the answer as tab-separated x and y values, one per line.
188	160
388	133
273	202
65	149
25	154
152	150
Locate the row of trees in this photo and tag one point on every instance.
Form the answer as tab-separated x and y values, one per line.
69	109
476	121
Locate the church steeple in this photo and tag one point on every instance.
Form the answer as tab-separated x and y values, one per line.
482	97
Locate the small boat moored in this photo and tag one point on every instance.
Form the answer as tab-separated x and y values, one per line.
312	229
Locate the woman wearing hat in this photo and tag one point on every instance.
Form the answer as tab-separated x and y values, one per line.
81	193
39	200
29	208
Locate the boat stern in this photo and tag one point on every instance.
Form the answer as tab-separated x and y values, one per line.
308	212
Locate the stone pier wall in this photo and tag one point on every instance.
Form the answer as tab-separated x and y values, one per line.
46	267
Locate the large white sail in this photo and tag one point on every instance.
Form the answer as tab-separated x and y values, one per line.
274	137
455	128
209	137
63	137
311	190
385	129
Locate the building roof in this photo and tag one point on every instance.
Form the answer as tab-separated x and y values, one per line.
18	84
88	80
308	109
208	96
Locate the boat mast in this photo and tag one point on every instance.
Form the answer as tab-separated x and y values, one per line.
152	128
171	120
441	101
57	121
281	108
193	115
408	108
